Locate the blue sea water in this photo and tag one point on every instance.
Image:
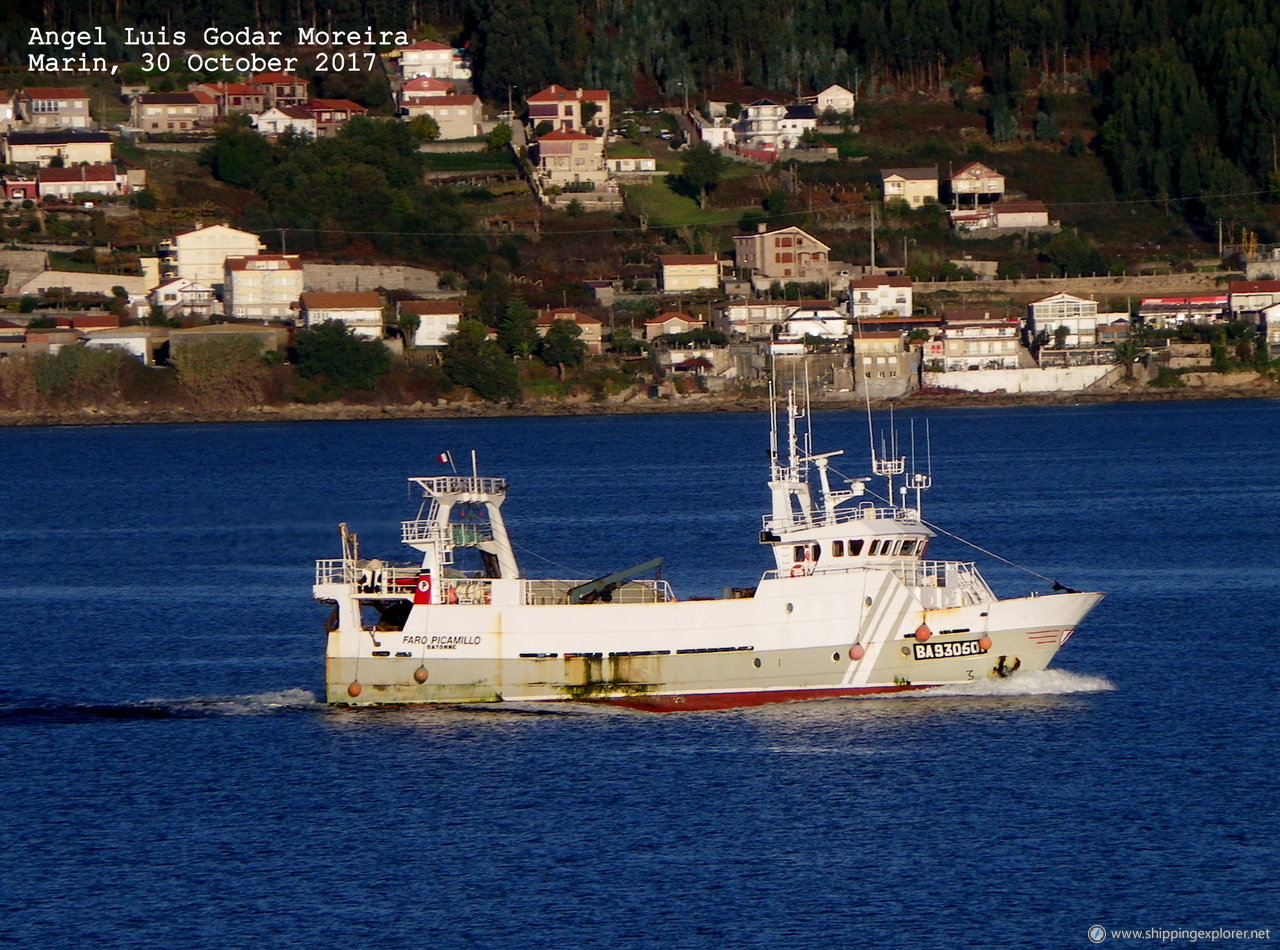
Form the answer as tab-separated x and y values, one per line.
169	779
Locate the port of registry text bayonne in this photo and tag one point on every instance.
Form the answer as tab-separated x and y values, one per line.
229	51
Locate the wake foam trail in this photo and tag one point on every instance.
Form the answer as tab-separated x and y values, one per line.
1044	683
206	707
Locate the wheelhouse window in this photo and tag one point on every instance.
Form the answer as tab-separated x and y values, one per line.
875	547
837	549
855	547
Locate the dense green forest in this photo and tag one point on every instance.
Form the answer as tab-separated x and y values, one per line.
1188	91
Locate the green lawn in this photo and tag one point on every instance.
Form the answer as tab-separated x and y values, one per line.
664	208
624	149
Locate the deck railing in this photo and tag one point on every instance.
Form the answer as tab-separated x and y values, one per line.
459	535
461	485
375	577
370	577
957	576
556	591
818	517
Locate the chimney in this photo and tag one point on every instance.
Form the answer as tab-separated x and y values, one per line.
761	228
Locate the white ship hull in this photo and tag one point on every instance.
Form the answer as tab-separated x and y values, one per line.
794	639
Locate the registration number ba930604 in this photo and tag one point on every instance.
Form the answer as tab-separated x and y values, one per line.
942	651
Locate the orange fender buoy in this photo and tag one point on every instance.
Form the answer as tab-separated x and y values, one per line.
420	674
856	652
985	642
355	689
923	633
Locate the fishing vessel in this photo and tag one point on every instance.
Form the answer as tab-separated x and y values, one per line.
852	605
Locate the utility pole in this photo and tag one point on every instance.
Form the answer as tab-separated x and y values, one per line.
873	237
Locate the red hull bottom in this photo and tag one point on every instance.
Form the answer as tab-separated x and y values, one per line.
694	702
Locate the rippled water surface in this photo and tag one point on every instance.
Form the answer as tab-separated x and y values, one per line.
171	780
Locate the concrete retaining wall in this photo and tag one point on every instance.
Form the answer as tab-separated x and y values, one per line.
451	148
1139	285
1064	379
357	277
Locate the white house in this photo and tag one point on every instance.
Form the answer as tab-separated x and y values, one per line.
457	116
81	180
40	148
262	286
796	121
759	125
429	58
183	296
565	108
437	319
281	119
1020	214
835	98
915	186
1078	315
361	311
1251	296
591	328
718	132
136	341
756	319
53	107
681	272
970	342
978	182
1166	312
670	323
819	320
424	87
200	254
877	296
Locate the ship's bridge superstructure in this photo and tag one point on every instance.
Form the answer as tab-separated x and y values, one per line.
818	529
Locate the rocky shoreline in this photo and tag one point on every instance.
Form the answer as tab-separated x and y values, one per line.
1201	389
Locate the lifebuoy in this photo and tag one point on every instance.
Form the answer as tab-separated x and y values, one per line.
797	570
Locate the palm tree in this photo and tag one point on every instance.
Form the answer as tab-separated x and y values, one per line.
1128	352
